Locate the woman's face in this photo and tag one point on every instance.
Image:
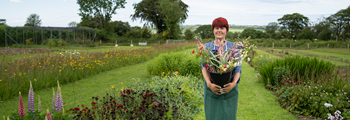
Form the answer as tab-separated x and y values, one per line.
219	33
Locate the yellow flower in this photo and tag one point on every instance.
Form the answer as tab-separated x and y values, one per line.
5	69
121	83
0	80
60	70
34	79
331	94
345	86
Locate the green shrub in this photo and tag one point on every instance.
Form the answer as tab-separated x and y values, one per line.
55	42
299	66
185	64
325	34
278	74
17	46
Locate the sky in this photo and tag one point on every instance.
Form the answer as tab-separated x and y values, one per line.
58	13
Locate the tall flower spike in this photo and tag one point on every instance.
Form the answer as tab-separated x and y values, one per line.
31	99
53	98
48	115
59	101
39	104
21	109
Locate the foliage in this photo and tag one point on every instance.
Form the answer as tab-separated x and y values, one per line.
339	20
33	20
174	97
29	41
45	69
90	22
271	29
2	21
306	33
189	35
173	14
102	11
55	42
294	22
299	66
139	33
120	27
2	35
249	32
153	13
72	24
205	31
325	34
184	64
278	74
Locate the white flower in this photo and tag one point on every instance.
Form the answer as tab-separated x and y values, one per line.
328	105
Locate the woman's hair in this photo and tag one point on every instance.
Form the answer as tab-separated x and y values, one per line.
220	22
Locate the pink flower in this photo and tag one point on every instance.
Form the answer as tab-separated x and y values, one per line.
225	66
21	109
48	115
155	103
270	85
240	43
282	75
211	70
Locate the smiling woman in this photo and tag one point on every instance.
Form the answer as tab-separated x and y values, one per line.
220	103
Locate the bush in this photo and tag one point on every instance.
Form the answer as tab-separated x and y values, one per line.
306	33
185	64
299	66
55	42
325	34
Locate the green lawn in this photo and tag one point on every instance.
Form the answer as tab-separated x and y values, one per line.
254	101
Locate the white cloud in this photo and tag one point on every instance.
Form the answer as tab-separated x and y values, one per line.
16	1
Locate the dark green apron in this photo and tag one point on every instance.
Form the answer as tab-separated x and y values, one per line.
220	107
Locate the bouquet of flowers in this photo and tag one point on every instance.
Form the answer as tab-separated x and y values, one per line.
220	60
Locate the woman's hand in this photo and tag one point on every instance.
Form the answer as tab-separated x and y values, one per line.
215	88
228	87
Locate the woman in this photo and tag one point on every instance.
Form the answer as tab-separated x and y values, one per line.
220	103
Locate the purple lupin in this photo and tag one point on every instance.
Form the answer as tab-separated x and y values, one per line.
31	99
59	101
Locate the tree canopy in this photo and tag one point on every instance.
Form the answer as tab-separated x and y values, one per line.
99	10
156	13
33	20
339	20
72	24
294	23
271	28
2	21
205	31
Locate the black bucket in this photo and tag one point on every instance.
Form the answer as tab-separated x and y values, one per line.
220	79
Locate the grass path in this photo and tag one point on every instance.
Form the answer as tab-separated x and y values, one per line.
254	101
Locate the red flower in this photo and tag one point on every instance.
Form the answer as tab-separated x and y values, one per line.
147	91
200	52
155	103
83	105
80	112
282	83
201	47
120	105
192	51
76	108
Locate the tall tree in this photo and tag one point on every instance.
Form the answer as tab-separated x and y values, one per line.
320	25
294	23
151	12
33	20
121	27
173	16
101	10
271	29
339	21
72	24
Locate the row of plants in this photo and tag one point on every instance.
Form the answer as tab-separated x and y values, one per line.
45	69
162	97
307	86
184	63
300	44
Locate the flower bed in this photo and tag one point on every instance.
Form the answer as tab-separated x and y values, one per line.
307	86
45	69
